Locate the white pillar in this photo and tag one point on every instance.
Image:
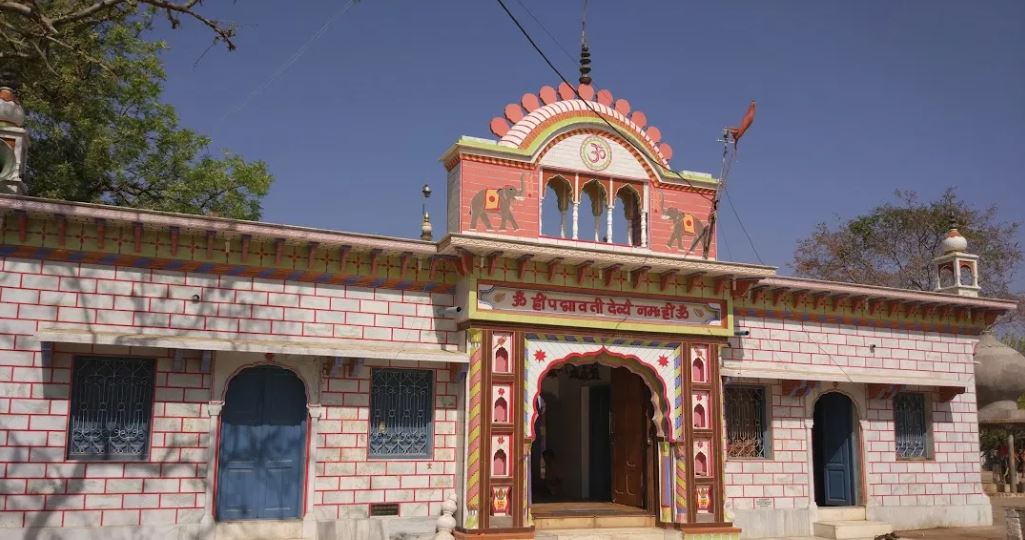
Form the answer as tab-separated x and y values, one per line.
576	218
213	410
644	229
316	413
608	224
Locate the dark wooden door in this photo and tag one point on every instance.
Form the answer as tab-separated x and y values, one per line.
834	450
263	439
628	428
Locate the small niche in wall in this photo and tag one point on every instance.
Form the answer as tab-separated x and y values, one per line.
700	411
699	365
501	360
500	458
501	411
698	370
498	467
702	467
501	353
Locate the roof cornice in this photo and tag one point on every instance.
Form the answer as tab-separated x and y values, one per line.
158	219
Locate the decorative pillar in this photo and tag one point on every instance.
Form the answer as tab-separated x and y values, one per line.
608	224
316	414
576	218
680	497
213	410
472	500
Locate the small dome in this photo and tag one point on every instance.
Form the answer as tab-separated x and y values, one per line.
954	241
999	371
10	111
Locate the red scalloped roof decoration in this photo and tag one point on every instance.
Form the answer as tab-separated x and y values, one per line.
514	133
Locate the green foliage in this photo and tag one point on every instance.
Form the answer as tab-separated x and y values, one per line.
99	132
893	246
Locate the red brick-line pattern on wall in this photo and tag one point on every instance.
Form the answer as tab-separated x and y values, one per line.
347	479
40	488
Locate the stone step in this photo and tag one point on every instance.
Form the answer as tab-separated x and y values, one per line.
259	530
851	529
593	522
842	513
646	533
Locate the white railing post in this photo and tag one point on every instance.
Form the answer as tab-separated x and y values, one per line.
447	523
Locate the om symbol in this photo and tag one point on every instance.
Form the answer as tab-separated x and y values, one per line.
596	153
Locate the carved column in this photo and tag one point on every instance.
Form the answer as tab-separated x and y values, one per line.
213	409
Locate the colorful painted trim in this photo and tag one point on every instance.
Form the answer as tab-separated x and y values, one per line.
678	390
178	265
666	490
473	441
681	483
918	326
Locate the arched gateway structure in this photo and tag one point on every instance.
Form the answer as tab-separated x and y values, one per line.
593	321
565	356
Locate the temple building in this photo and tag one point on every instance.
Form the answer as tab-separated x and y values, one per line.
571	354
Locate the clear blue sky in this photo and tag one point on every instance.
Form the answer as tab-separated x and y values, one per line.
856	99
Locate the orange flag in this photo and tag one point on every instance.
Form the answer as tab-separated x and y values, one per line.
745	123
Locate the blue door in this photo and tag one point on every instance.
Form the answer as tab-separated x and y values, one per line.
263	441
833	439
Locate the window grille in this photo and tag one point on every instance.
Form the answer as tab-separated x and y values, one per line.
111	404
910	425
401	412
746	433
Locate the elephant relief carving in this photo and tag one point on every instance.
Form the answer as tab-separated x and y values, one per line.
682	224
496	201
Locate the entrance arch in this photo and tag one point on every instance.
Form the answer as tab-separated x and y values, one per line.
834	450
262	445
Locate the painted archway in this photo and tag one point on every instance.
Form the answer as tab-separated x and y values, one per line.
658	365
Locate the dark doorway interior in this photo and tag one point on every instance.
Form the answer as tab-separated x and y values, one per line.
833	450
593	438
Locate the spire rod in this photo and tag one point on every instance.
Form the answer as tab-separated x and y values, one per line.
585	53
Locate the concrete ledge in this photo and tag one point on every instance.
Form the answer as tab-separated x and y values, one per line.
773	522
154	532
926	517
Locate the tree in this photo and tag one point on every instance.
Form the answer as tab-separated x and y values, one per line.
90	84
893	246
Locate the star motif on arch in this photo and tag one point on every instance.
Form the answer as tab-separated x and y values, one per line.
663	360
540	355
501	391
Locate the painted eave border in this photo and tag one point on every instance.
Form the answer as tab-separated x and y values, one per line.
155	218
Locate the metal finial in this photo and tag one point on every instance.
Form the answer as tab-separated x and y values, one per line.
585	52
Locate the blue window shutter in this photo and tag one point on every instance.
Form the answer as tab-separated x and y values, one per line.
401	413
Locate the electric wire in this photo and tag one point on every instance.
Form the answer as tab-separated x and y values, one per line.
742	227
281	69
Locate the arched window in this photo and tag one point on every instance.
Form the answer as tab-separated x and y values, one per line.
626	221
556	218
593	206
698	370
946	276
967	276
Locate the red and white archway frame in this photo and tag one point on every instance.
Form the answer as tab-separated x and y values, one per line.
658	364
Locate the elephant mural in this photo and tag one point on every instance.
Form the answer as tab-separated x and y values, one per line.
498	201
682	223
